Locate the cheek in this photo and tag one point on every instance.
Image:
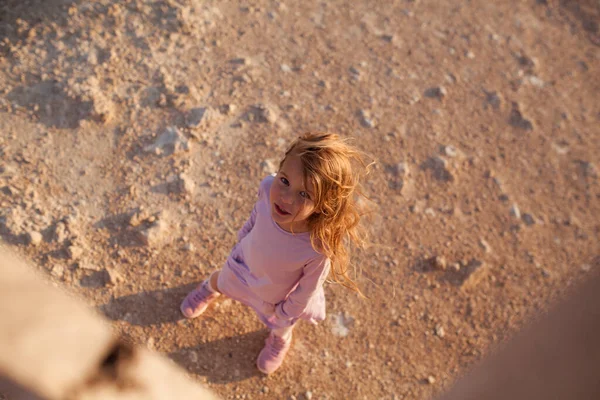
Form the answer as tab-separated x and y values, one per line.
308	210
273	192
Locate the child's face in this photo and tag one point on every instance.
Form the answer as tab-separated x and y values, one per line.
290	199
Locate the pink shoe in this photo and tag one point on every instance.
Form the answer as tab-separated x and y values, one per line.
197	300
272	355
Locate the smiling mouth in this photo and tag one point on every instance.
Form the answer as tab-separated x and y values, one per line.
280	210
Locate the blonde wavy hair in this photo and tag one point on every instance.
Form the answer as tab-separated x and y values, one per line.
335	168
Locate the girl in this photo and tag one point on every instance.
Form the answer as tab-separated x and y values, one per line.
292	241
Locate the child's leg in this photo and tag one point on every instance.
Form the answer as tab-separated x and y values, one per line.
198	299
285	333
276	347
214	281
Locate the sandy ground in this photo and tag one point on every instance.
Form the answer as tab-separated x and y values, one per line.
133	136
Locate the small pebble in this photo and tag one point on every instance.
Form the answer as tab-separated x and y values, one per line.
586	267
485	245
440	262
528	219
430	380
439	331
450	151
35	238
515	212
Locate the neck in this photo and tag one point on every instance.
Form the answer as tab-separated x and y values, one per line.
296	227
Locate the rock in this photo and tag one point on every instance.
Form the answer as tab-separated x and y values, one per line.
285	68
515	212
170	142
103	109
308	394
401	169
196	116
58	271
470	55
60	232
228	109
240	61
366	119
341	324
528	219
34	238
155	233
182	184
88	266
439	262
269	166
265	113
455	266
113	277
430	380
438	92
354	73
201	117
399	172
150	343
475	271
587	168
414	98
450	151
430	212
139	217
15	219
493	99
439	331
438	166
586	267
75	252
535	81
189	247
388	38
485	245
517	119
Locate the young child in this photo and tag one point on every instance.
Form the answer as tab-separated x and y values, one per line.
292	241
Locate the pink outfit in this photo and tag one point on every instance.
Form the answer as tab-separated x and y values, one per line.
275	272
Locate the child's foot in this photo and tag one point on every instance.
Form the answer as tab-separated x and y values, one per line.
197	300
272	355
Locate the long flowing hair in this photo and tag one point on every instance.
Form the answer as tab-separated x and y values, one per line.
335	168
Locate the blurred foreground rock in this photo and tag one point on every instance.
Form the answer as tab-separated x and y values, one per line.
54	347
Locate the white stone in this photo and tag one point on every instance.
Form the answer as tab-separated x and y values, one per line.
170	142
35	238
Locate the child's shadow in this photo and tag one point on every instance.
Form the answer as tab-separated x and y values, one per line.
225	360
148	308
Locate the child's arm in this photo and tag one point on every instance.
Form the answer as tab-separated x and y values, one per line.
262	191
315	273
247	226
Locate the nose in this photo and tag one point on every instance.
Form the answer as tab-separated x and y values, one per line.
286	197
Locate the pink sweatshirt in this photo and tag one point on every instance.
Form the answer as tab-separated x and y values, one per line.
275	272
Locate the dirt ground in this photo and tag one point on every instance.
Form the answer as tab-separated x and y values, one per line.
133	136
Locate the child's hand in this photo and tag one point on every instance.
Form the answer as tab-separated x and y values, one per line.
268	309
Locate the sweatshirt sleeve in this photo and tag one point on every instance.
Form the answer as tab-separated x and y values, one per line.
313	277
263	190
248	225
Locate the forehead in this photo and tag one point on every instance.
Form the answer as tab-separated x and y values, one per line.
292	167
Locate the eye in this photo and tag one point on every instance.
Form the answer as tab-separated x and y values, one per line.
305	195
285	181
